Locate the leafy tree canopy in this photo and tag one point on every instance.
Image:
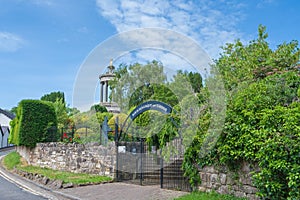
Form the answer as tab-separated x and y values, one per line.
53	96
254	61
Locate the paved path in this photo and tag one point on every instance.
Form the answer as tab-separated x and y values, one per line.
122	191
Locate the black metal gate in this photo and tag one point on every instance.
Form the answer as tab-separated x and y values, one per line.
139	164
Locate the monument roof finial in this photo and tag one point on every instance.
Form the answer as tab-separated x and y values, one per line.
111	67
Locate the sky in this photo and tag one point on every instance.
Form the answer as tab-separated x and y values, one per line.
45	43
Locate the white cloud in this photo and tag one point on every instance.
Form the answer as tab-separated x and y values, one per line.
174	50
264	3
10	42
210	23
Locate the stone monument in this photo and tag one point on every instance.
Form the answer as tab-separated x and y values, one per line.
104	89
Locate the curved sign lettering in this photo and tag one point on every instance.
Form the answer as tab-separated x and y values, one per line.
150	105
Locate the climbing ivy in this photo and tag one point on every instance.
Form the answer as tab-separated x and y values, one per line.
262	123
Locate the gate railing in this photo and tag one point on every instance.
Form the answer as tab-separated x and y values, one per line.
137	165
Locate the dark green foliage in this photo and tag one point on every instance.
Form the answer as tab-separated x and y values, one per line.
263	126
247	63
158	92
279	154
72	111
98	108
53	96
35	122
194	79
136	83
14	110
262	122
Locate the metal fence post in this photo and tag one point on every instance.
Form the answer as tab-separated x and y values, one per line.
161	171
62	134
100	133
117	150
141	160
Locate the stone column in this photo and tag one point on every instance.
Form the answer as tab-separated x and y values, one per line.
106	91
101	91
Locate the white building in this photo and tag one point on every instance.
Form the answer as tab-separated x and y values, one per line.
5	118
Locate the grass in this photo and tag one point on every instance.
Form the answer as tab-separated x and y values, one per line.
13	160
208	196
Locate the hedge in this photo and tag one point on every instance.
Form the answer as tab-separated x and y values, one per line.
35	122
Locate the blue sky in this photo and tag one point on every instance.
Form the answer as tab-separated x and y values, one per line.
44	42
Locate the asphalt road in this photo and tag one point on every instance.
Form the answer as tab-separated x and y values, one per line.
10	191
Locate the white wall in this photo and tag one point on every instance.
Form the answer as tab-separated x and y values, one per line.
4	120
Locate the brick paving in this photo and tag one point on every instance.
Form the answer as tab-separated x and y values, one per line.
122	191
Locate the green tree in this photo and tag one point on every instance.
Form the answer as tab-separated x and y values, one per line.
61	113
136	83
194	79
239	62
53	96
14	110
262	119
72	111
58	100
181	85
98	108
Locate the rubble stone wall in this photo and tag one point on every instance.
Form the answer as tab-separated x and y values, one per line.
79	158
220	179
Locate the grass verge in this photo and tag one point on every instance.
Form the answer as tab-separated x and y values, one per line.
208	196
13	160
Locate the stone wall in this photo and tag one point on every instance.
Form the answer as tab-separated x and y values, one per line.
79	158
224	181
96	159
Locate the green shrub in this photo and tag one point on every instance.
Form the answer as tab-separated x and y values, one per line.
262	126
262	123
35	122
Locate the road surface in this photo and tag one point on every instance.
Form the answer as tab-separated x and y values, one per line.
10	191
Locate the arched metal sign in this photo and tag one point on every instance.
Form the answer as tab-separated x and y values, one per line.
148	105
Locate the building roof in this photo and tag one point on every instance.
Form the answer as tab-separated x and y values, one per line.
6	113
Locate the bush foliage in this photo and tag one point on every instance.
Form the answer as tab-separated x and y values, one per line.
262	124
35	122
